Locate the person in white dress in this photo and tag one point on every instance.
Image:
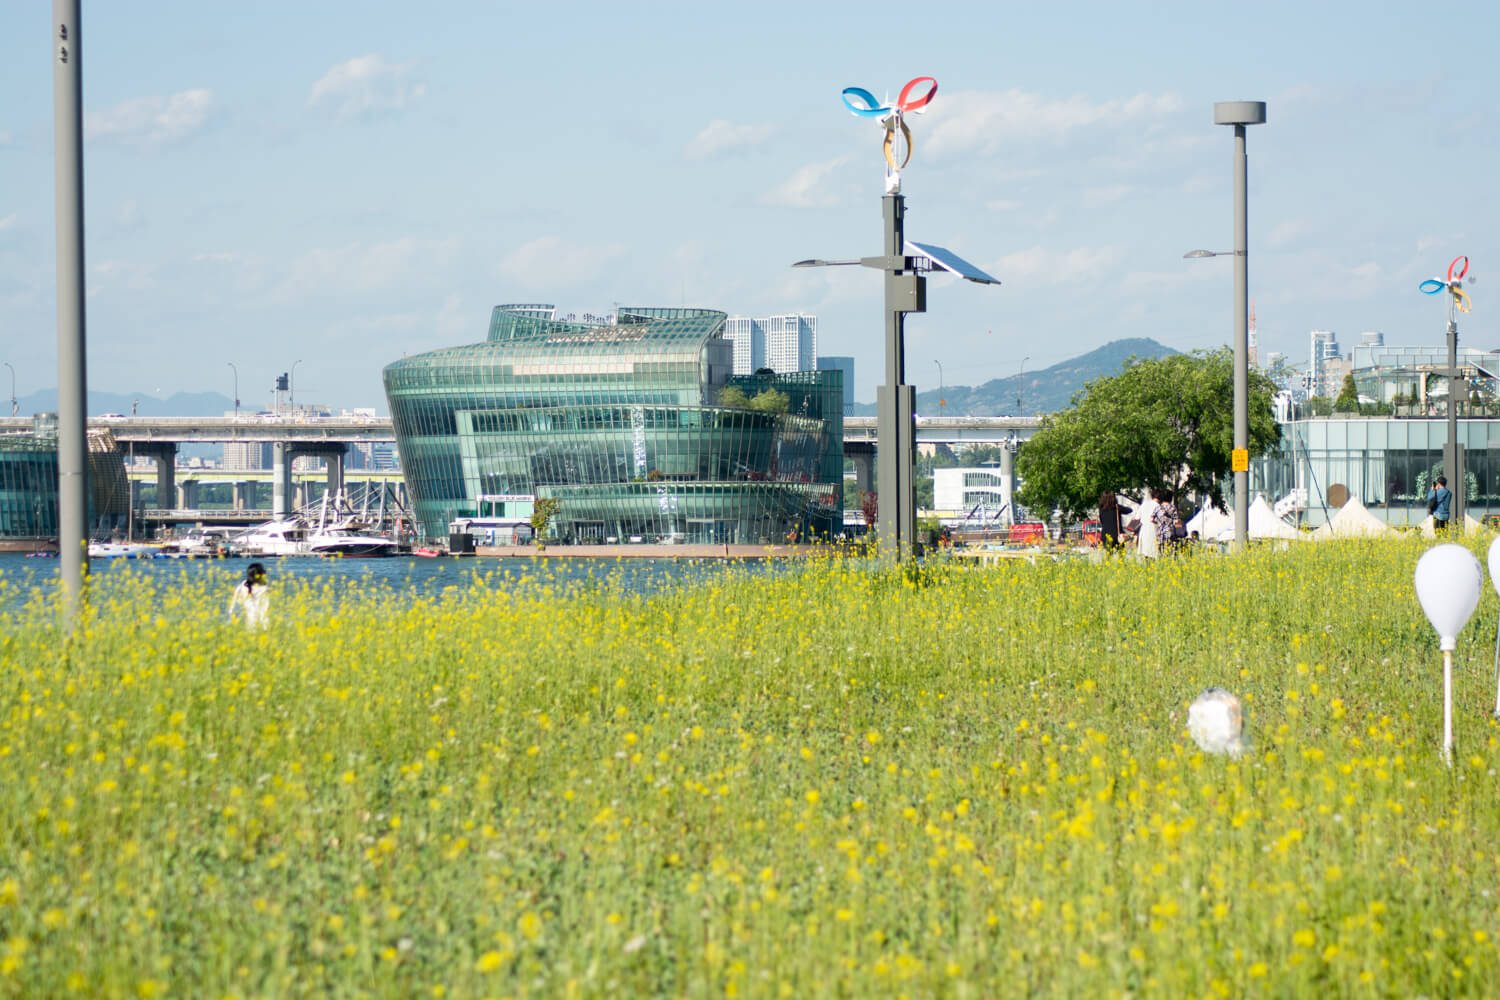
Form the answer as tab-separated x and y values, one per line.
1145	529
252	596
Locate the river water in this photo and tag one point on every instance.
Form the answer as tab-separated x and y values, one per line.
402	575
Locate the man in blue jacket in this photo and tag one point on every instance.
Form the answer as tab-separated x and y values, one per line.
1439	502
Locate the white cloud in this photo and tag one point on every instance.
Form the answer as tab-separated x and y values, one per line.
985	121
6	221
114	275
129	215
5	137
1285	233
151	120
806	188
720	136
551	262
1104	195
368	267
1039	266
366	85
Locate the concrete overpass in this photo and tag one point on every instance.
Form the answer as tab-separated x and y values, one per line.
330	437
158	438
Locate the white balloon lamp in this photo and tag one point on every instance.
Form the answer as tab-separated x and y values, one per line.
1448	581
1494	561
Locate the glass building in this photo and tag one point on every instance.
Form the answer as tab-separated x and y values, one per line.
633	422
28	482
28	487
1387	462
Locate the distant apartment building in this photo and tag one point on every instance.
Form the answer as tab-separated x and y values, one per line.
1323	364
846	365
247	456
786	343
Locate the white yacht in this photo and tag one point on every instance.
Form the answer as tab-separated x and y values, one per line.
347	540
295	537
283	537
121	550
200	543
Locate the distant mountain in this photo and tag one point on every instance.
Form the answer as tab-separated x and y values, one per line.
181	404
1045	391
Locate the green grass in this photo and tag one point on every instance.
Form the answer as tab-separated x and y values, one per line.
844	782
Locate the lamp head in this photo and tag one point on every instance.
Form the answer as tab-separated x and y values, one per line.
1448	580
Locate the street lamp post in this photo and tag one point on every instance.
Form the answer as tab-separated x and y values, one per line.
1021	387
1453	459
14	407
291	385
72	366
903	263
1240	114
236	388
941	401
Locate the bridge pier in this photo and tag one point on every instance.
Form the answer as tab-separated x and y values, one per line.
187	494
335	474
862	454
281	478
164	454
1008	479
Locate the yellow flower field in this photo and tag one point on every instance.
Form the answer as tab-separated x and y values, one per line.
840	781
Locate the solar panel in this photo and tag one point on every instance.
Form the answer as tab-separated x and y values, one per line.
946	260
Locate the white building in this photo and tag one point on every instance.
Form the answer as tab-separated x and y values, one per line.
786	343
1325	348
748	336
978	495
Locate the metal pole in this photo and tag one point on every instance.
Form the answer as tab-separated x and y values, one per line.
72	443
14	407
893	445
1452	466
1241	341
1021	387
236	387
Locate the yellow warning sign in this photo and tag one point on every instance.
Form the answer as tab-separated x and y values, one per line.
1240	460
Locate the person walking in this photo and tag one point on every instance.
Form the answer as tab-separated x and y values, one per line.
252	596
1111	522
1142	523
1163	517
1440	503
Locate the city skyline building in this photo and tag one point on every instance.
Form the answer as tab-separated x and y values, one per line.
784	343
1324	348
845	364
638	427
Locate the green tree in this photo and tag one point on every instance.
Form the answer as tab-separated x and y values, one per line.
1348	401
542	512
734	397
771	401
1166	423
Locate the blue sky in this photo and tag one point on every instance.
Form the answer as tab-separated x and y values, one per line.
339	184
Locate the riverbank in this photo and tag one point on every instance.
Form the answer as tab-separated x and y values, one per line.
656	551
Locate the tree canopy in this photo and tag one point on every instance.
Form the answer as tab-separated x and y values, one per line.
1348	401
1166	423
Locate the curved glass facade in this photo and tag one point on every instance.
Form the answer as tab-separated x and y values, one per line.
634	423
28	486
28	481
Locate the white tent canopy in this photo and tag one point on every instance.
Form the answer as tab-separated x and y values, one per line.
1210	522
1354	520
1263	524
